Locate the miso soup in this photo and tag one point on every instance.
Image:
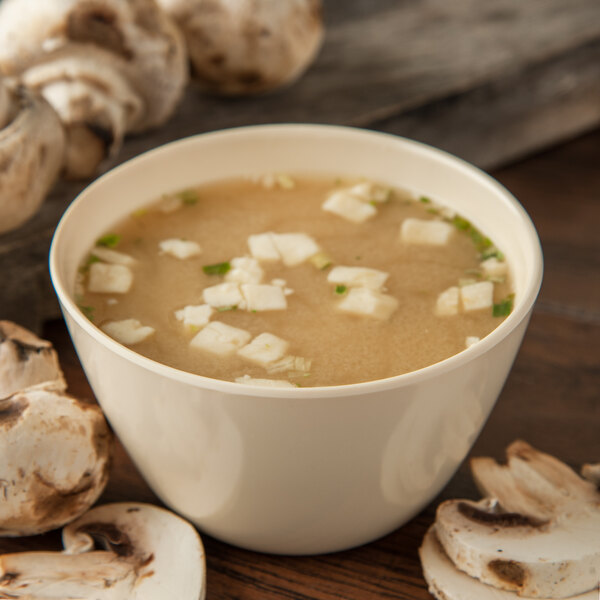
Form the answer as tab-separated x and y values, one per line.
295	281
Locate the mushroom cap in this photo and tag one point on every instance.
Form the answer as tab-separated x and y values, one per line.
31	154
148	553
248	46
537	533
135	38
55	457
26	361
446	582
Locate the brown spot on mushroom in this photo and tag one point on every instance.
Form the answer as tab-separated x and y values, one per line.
9	578
11	411
497	519
110	536
93	23
509	571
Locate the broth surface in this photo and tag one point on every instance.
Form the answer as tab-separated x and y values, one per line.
343	348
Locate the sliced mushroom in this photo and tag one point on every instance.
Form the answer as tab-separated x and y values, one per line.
55	457
248	46
537	533
31	153
108	67
148	553
26	361
446	582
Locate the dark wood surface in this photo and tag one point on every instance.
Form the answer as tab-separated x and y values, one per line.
489	81
551	399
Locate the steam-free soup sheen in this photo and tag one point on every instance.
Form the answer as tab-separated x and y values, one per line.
222	250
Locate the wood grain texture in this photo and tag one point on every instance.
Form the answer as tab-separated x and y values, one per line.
550	400
489	81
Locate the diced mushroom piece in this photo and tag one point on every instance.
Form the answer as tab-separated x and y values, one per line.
248	46
358	277
471	340
476	296
492	267
259	297
262	247
264	349
26	361
244	270
112	256
537	533
221	339
427	232
447	302
108	68
195	316
257	382
223	295
368	303
144	553
31	153
55	459
294	248
298	364
348	206
109	279
181	249
128	331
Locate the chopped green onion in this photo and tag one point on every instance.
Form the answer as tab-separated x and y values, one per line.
110	240
433	211
321	260
87	310
226	308
189	197
481	241
340	289
92	258
504	307
492	253
425	200
372	203
140	212
285	181
217	269
193	328
461	223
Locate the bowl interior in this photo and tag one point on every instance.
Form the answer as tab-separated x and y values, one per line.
302	149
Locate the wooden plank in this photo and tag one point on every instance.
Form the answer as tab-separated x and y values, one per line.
487	81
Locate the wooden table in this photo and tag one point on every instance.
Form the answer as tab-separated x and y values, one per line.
551	399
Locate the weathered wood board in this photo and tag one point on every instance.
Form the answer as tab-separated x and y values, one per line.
489	81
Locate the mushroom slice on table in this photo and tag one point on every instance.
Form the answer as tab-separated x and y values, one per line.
248	46
26	361
537	533
31	153
55	457
108	67
446	582
147	553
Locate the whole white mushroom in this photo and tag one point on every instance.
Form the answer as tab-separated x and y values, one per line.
31	153
248	46
107	67
55	449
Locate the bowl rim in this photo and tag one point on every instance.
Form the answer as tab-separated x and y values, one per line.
519	313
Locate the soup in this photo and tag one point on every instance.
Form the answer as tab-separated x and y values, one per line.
297	281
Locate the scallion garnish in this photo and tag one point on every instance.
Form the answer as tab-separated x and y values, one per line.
110	240
461	223
92	258
140	212
340	289
492	253
425	200
217	269
189	197
226	308
87	310
321	260
504	307
473	272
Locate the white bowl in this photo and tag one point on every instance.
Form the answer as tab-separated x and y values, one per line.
309	470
